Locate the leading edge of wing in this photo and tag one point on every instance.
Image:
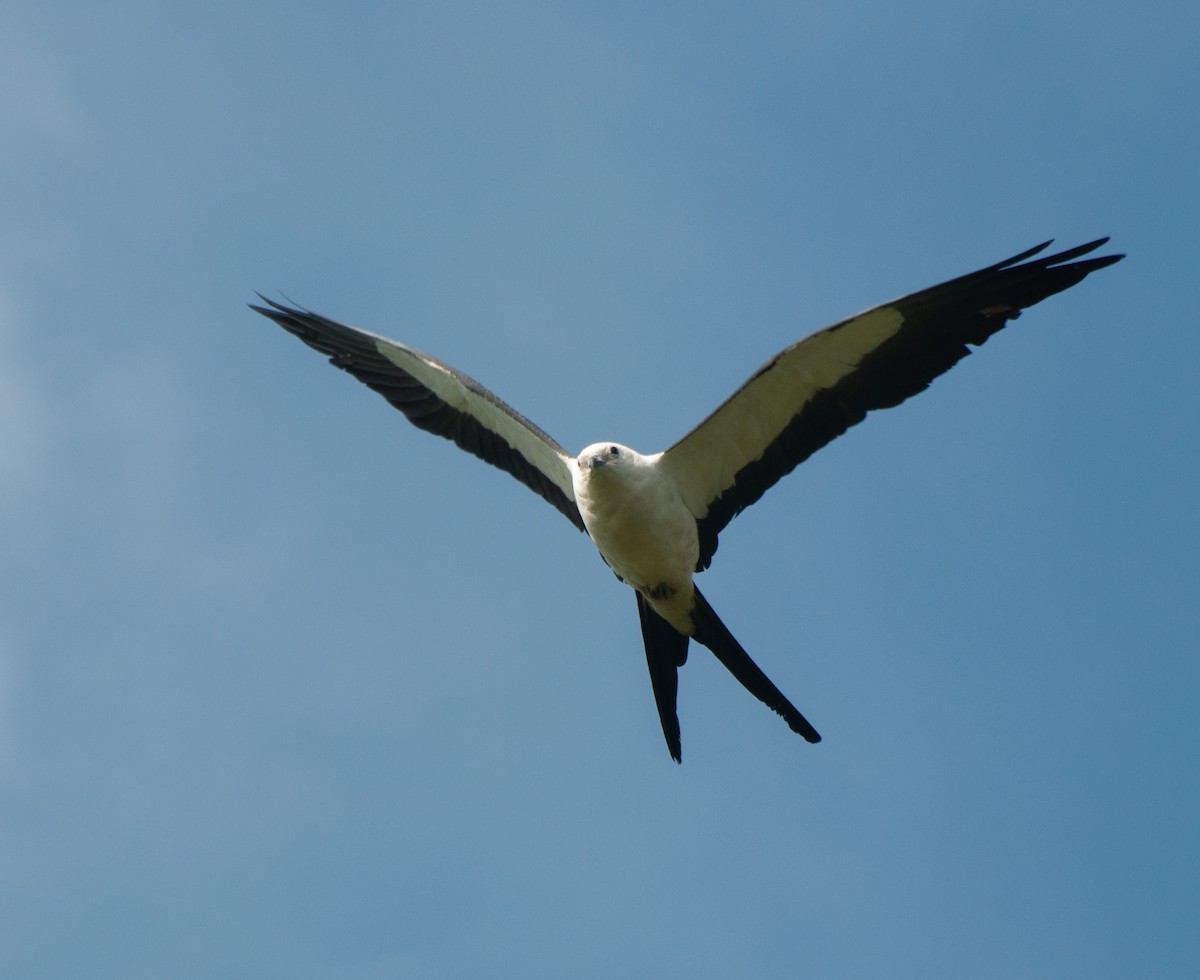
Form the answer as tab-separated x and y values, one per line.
813	391
435	397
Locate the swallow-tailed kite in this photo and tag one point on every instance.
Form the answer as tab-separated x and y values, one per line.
655	518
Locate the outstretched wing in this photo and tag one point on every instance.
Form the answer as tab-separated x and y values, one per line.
437	398
809	394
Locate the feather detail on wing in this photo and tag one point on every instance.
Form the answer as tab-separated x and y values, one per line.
437	398
809	394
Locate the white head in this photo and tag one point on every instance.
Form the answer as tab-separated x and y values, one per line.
610	455
621	497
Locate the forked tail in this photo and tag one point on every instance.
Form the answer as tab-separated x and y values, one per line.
711	632
666	652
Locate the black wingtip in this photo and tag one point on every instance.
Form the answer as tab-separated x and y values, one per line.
1060	258
1073	253
277	311
1021	256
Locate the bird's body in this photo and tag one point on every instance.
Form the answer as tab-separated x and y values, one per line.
640	525
655	518
634	511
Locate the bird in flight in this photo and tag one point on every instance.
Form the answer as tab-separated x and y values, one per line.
655	518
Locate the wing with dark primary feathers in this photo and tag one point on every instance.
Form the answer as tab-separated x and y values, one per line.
809	394
437	398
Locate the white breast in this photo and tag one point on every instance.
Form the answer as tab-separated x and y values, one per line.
638	521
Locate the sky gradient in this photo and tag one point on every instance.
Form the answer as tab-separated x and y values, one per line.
289	688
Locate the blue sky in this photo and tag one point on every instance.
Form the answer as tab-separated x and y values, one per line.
289	688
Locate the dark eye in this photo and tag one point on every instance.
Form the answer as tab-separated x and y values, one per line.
614	451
